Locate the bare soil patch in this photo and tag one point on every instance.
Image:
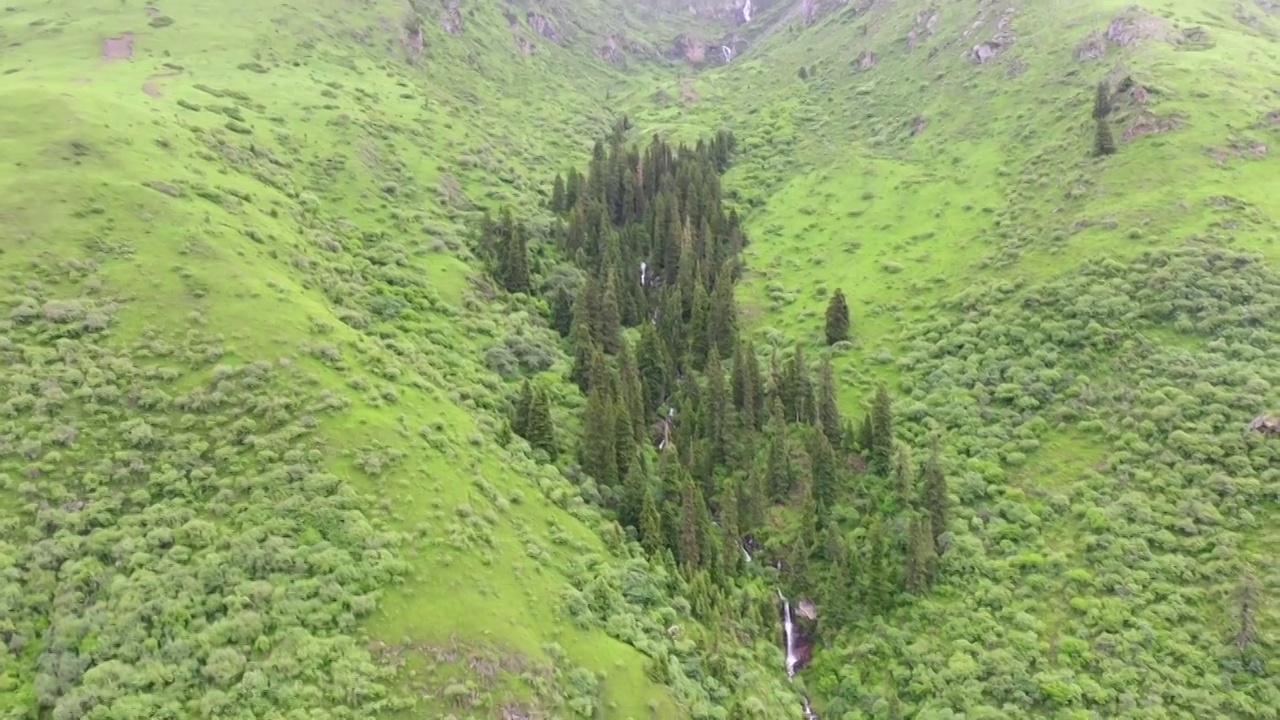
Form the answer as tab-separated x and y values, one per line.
119	47
152	86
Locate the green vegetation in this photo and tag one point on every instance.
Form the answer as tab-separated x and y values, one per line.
332	384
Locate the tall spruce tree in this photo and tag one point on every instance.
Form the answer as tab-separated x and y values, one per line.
881	432
1103	142
598	453
822	459
690	537
904	476
837	327
828	411
609	329
800	389
539	430
936	500
652	537
562	311
731	533
655	369
514	270
558	198
717	411
1102	101
722	325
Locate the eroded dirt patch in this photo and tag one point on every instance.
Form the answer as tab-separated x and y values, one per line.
119	47
152	86
688	95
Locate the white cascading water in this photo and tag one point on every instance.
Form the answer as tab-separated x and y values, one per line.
788	631
644	273
746	12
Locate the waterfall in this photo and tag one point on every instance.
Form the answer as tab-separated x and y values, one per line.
788	630
644	273
728	52
809	714
746	12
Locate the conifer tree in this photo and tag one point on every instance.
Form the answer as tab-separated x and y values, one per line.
839	587
598	451
609	328
837	318
881	432
753	501
717	411
866	435
904	476
822	458
1102	101
723	322
690	540
514	258
921	556
652	536
562	311
828	411
800	389
729	526
699	337
625	446
558	205
1103	142
539	430
654	368
524	402
877	585
935	493
631	390
777	465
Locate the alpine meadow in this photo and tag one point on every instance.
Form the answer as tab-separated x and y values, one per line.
715	359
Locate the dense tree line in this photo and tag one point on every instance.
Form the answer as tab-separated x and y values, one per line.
699	443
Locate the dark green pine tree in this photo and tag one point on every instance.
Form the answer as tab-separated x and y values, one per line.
634	487
609	330
837	328
936	500
558	205
699	337
716	408
562	311
514	270
822	459
1102	101
540	431
921	558
690	538
748	394
731	533
654	368
1103	142
524	402
722	325
631	391
777	465
837	587
572	188
800	389
881	432
753	501
877	583
652	536
625	446
598	455
866	435
828	411
904	477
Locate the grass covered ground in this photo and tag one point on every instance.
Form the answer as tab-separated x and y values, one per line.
960	208
235	267
210	191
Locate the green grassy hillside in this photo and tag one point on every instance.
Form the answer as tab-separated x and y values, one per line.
1092	334
254	382
249	455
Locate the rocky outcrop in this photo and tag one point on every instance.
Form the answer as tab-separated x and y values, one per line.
1266	425
544	26
1093	47
926	22
867	60
1134	25
452	19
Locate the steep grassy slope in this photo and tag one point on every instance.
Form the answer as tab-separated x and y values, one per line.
1094	396
245	369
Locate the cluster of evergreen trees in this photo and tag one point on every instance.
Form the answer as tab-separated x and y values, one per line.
692	442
